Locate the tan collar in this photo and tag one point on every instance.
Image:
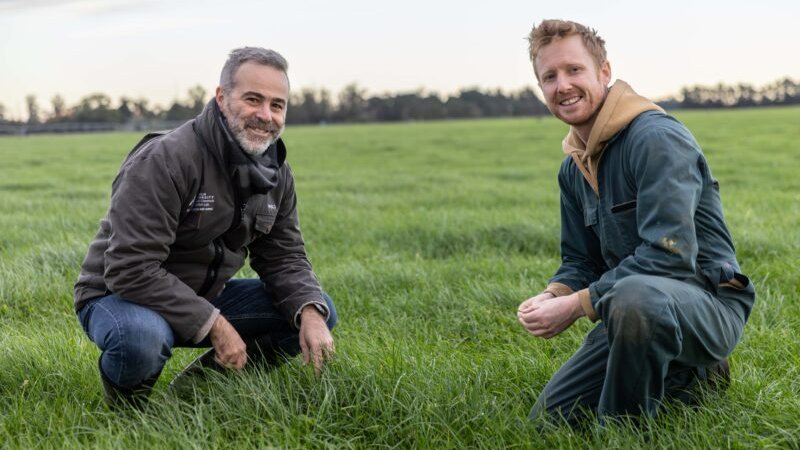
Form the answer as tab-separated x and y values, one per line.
620	107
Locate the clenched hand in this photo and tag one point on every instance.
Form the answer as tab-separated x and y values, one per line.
546	315
230	350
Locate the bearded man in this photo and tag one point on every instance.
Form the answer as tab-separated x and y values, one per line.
644	246
187	208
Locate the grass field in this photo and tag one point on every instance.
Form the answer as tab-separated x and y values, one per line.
427	236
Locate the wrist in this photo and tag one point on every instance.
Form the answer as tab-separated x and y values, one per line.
310	310
577	307
217	327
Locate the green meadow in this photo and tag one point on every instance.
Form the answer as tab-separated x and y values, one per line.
427	236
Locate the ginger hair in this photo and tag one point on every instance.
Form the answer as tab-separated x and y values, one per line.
552	30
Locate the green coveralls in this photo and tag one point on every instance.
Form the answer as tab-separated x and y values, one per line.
653	249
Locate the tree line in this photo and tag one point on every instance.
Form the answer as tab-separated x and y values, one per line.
781	92
308	105
354	104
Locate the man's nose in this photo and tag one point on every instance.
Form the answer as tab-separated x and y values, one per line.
264	113
563	83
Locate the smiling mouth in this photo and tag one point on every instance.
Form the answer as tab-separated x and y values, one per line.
570	101
260	131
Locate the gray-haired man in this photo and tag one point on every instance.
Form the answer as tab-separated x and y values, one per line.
187	208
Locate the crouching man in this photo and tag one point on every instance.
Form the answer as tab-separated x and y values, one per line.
644	246
187	208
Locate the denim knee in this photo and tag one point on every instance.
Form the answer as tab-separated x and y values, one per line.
135	355
332	316
136	342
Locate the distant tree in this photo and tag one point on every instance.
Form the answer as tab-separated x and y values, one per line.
418	106
141	110
2	112
178	111
526	103
426	107
382	108
352	104
747	95
125	110
59	108
33	108
464	105
95	108
783	92
324	106
310	106
197	99
184	111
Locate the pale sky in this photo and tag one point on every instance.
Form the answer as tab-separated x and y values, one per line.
158	49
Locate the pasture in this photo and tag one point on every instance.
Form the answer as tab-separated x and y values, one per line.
427	236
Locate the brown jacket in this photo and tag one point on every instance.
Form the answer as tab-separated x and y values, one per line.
175	232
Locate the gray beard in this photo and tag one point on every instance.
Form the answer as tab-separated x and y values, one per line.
237	127
253	147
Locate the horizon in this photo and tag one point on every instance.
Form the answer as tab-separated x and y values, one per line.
144	48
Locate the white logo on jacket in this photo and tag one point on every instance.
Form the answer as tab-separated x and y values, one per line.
202	202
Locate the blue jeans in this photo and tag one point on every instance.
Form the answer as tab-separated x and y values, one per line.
136	342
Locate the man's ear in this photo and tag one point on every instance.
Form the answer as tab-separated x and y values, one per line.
605	72
220	96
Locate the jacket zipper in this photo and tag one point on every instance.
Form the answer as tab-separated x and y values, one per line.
213	268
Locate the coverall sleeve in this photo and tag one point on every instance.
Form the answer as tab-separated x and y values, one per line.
581	261
663	162
279	258
143	216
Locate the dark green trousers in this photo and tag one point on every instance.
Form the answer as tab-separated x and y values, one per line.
655	338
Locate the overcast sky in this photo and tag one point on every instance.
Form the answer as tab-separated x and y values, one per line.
159	48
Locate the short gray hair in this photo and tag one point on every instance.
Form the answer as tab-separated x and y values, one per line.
258	55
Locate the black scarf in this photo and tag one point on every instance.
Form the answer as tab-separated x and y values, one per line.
251	174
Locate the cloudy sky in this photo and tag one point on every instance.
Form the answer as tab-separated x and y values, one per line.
159	48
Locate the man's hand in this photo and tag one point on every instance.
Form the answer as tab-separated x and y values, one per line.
528	304
230	350
315	338
546	316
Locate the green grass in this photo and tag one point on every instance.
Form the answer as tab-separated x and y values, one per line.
427	236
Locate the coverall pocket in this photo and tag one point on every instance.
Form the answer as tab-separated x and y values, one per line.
624	206
625	227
